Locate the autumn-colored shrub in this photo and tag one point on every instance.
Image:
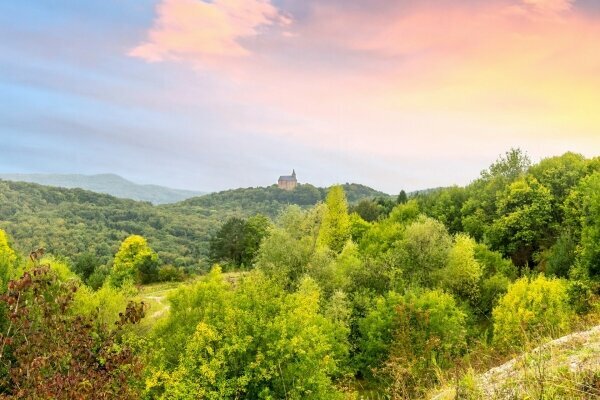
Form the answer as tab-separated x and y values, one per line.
47	352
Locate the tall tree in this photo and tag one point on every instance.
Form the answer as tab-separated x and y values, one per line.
335	227
402	197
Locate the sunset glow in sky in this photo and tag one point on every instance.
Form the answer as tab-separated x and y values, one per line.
211	95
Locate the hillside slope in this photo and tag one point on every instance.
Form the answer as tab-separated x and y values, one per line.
69	222
565	368
112	184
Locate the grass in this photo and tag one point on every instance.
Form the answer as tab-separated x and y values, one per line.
155	296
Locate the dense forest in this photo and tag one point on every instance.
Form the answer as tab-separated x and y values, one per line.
78	224
314	294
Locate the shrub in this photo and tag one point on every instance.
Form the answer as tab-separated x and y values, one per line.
429	332
65	355
170	273
531	310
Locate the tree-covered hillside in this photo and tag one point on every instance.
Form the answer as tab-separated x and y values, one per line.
429	291
71	222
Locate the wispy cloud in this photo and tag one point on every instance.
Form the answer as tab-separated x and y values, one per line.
200	31
445	70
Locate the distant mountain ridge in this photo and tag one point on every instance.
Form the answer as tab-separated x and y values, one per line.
112	184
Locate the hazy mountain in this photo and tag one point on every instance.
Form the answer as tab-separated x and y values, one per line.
107	183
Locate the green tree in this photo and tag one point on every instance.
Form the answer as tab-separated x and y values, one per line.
480	207
238	240
335	227
402	197
429	333
414	333
367	209
229	243
256	229
423	251
589	253
463	273
524	220
135	261
513	164
560	175
85	264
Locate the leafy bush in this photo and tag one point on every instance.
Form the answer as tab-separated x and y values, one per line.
135	261
65	355
533	308
256	341
170	273
429	332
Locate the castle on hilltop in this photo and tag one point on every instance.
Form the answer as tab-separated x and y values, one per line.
288	182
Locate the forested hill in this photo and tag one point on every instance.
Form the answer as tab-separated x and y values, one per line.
71	222
107	183
269	200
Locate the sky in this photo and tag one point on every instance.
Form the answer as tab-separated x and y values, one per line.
211	95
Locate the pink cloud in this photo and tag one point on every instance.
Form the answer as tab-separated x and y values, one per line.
201	31
424	77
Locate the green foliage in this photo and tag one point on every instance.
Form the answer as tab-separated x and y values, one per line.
562	255
104	303
560	174
8	261
402	197
377	332
492	289
85	264
580	296
261	343
589	259
493	263
367	209
229	242
532	309
170	273
335	226
524	220
135	261
70	222
285	258
238	240
445	205
463	273
423	251
358	227
513	164
423	325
